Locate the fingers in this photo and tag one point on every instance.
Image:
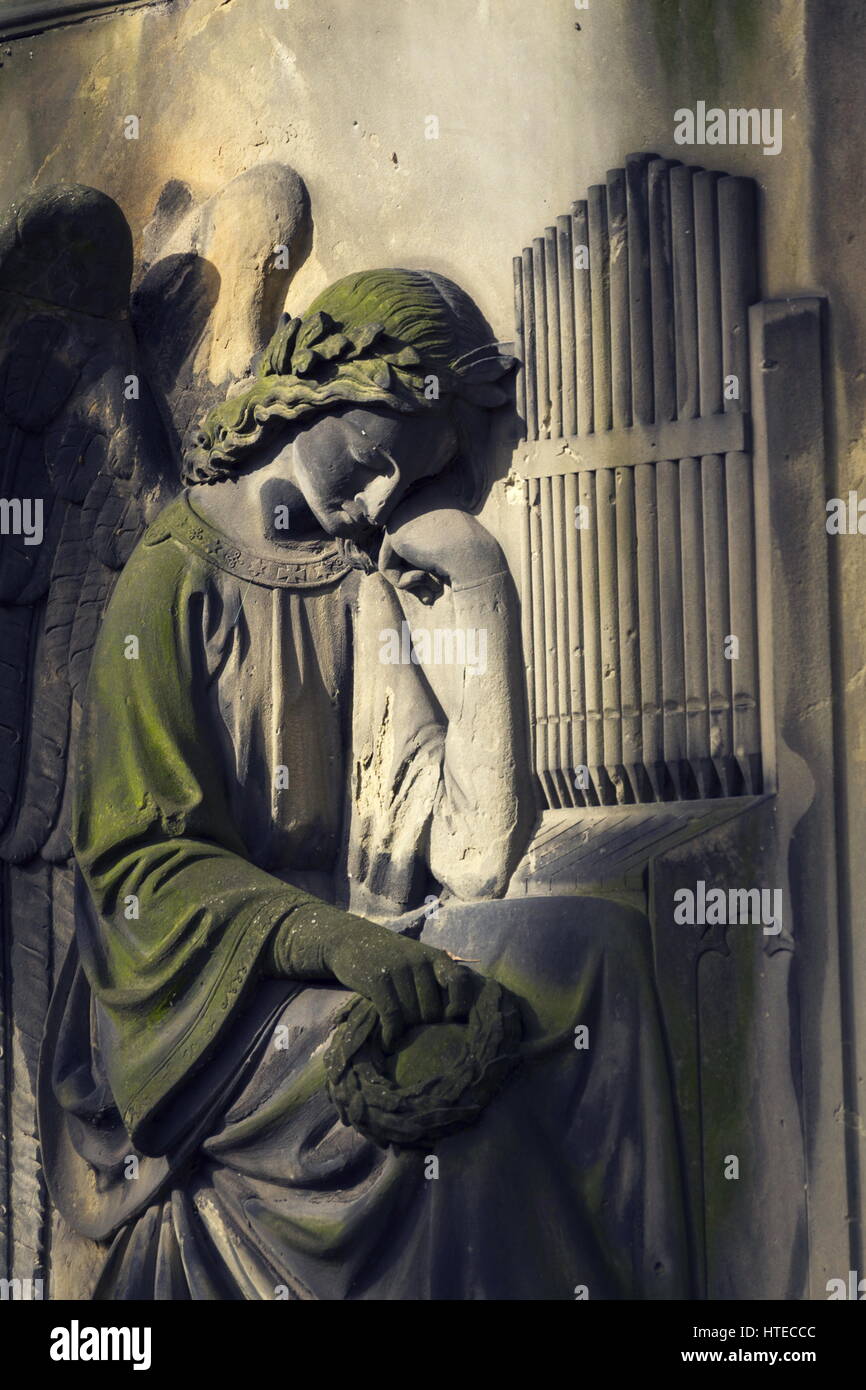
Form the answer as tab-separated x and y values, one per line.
459	986
390	1011
407	996
431	1003
425	585
403	984
420	995
433	989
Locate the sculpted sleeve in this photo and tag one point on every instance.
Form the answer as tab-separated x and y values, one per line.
483	805
181	918
440	779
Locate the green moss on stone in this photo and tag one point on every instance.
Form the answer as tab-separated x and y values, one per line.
690	34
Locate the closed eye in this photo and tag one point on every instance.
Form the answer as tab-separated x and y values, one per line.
367	458
375	460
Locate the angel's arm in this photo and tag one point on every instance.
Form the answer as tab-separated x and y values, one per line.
481	815
181	915
482	803
441	763
183	923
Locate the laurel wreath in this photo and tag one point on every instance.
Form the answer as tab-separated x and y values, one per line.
368	1097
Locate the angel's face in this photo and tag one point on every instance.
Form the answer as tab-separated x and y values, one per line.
355	466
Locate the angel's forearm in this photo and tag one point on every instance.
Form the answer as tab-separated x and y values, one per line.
480	818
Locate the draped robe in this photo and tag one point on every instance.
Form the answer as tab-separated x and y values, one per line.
246	754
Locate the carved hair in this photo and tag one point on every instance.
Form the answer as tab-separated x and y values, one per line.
406	340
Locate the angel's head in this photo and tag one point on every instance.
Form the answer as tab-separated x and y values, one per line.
388	379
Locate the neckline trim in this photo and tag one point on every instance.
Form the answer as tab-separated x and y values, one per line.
308	564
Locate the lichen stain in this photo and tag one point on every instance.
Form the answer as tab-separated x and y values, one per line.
691	34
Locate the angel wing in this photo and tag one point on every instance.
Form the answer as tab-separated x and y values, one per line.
213	279
96	392
84	466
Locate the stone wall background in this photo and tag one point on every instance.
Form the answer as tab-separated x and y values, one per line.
531	110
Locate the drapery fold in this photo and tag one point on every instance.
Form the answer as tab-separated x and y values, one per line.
182	913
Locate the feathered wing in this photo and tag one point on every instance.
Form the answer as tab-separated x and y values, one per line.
84	466
213	280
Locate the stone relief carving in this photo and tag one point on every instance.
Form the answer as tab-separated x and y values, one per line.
291	787
82	444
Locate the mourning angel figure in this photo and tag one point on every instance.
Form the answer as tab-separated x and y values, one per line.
304	1044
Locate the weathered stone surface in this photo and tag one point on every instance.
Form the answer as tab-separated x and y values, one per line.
449	147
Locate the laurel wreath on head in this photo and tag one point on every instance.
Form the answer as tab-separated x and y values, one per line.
315	362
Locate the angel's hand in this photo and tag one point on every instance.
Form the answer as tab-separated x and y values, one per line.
427	536
408	982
